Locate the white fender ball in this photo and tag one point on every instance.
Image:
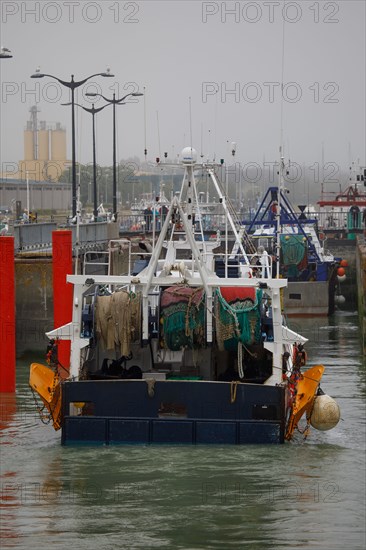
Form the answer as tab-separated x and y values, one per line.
325	414
339	299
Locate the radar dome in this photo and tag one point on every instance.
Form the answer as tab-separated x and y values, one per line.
189	155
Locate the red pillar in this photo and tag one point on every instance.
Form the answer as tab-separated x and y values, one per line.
7	315
62	290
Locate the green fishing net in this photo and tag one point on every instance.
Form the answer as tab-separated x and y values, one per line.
237	321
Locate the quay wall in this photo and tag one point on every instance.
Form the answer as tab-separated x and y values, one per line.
361	287
33	303
346	249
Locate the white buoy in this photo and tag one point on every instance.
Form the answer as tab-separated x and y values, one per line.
339	299
326	413
341	278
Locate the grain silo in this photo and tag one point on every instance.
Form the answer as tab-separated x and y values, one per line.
58	143
43	142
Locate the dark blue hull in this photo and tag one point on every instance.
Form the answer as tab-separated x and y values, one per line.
172	412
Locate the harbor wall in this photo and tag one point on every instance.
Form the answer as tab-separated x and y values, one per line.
346	249
306	299
361	287
33	303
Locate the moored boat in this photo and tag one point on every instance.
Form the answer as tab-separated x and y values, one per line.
344	212
189	346
311	270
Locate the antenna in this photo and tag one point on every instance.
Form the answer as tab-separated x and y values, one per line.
145	148
190	121
157	120
201	140
322	185
282	75
214	152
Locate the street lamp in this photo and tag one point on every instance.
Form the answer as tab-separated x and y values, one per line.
114	102
27	176
72	85
5	53
93	112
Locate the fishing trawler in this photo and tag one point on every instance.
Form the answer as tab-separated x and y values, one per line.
188	347
313	273
344	212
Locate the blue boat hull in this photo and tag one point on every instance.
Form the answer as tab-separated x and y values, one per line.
172	412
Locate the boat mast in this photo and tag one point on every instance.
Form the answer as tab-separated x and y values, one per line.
282	164
278	212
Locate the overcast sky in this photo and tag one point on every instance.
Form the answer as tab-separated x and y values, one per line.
225	56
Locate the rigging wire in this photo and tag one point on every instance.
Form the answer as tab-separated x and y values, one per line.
157	121
201	140
118	160
215	130
190	121
282	77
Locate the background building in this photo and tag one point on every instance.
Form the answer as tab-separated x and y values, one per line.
43	195
44	151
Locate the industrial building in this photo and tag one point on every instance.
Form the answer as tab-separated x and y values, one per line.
44	152
41	195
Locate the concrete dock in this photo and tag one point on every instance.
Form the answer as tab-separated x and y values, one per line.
361	286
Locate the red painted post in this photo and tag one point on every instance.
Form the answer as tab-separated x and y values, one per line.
7	315
62	290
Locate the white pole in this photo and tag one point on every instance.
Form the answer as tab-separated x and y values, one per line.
225	210
226	220
27	176
77	243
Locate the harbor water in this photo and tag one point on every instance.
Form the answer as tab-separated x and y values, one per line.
303	494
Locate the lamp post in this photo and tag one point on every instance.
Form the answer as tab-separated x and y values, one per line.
27	176
114	102
5	53
72	85
93	111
